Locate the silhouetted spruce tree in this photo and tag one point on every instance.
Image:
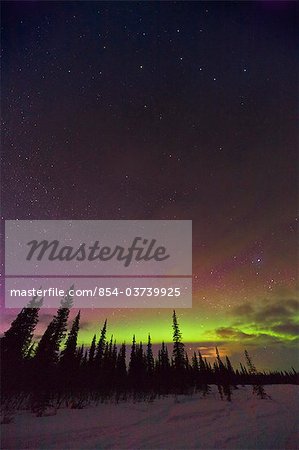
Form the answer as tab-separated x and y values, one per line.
121	361
92	350
221	366
201	363
44	354
16	347
47	351
178	346
69	356
17	339
217	378
78	363
195	366
178	357
101	345
204	374
46	357
105	368
164	357
258	388
132	361
137	368
223	377
229	366
231	373
150	357
121	370
114	355
162	370
109	365
251	367
244	374
195	372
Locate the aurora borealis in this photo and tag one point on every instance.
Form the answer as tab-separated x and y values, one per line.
164	110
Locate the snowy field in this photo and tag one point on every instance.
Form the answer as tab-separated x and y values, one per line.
188	423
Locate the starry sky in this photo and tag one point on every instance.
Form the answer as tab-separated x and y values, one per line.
165	110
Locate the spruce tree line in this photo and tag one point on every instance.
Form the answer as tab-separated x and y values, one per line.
56	370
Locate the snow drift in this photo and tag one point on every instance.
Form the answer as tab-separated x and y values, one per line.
187	422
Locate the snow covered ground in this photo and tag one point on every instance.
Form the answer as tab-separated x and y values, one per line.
189	423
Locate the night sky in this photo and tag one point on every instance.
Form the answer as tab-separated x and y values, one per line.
165	110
